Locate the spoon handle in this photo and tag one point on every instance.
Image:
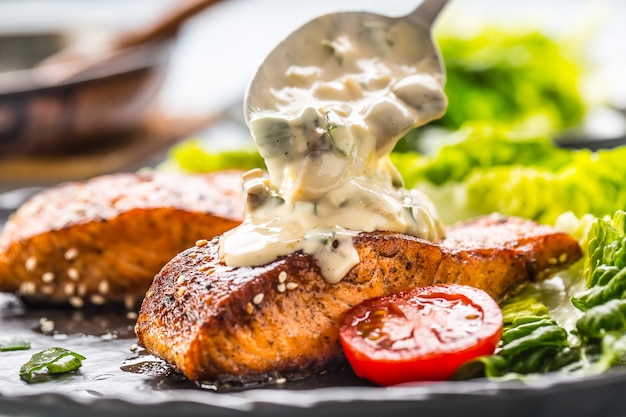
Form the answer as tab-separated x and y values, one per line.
168	25
425	14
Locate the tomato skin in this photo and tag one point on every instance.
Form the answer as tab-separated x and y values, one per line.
423	334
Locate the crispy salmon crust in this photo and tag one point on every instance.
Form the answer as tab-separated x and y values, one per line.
219	324
103	240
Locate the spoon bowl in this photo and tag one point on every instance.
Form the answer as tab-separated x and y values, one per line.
304	47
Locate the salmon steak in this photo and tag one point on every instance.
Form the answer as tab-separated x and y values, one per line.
103	240
220	325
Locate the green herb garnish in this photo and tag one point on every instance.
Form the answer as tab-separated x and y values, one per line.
339	134
13	343
54	360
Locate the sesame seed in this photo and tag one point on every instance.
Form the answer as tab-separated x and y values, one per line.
193	255
201	242
258	298
103	287
46	325
281	381
282	277
131	315
48	277
181	279
81	290
76	302
47	290
563	257
71	254
31	263
69	288
134	347
281	287
73	274
552	261
215	240
249	308
149	294
28	288
204	268
97	299
292	286
182	291
129	302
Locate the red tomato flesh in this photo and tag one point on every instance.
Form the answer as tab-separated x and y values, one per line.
423	334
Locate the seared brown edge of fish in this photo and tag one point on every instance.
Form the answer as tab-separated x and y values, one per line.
220	324
103	240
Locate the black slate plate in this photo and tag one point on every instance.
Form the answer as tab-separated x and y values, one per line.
117	380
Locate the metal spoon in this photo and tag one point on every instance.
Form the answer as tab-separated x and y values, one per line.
297	48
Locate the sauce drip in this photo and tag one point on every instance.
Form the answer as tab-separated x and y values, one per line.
325	130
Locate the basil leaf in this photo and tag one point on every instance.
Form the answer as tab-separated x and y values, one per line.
536	332
532	342
54	360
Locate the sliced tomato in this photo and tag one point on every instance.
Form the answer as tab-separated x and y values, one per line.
423	334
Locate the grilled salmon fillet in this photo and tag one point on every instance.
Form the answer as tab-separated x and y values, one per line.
104	239
218	324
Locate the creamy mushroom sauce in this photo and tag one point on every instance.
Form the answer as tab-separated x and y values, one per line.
325	131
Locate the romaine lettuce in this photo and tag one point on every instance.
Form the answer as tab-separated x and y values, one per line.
605	264
480	146
485	169
192	156
525	79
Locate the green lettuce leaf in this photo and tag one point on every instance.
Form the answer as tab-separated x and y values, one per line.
604	300
192	156
527	80
480	147
602	319
483	169
605	263
532	342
